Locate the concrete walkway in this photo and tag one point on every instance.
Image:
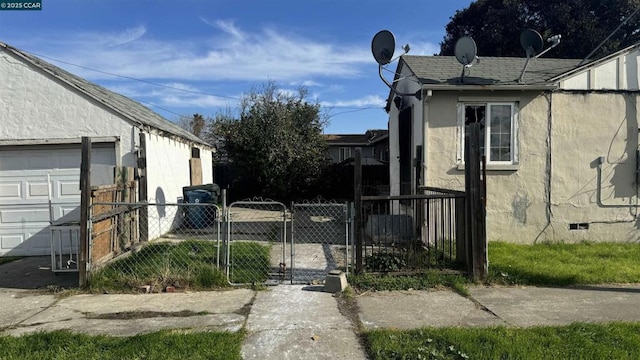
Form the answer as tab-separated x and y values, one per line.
299	322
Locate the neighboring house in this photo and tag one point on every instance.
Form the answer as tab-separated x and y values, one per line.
374	144
44	112
561	145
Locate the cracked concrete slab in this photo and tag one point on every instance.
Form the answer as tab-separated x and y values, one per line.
217	322
299	322
532	306
18	306
206	301
415	309
125	314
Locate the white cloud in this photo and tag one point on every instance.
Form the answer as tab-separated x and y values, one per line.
367	101
232	54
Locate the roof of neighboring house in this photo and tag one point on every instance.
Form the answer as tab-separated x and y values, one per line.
368	138
129	109
446	70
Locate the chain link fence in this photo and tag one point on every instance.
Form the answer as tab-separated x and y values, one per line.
155	246
200	245
320	240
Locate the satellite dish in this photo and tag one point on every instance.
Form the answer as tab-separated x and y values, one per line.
465	50
531	42
382	46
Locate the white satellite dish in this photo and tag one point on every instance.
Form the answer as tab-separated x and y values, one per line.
382	46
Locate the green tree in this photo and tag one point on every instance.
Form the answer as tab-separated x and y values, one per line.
495	25
275	147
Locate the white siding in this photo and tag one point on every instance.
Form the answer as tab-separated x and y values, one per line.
619	73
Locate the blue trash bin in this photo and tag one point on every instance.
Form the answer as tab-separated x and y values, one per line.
198	217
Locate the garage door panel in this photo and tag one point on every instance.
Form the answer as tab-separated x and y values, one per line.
25	243
29	177
10	191
68	188
37	189
10	241
20	216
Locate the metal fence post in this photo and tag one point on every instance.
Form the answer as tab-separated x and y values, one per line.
358	206
225	234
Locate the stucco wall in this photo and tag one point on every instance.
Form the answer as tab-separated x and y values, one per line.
583	127
167	173
36	107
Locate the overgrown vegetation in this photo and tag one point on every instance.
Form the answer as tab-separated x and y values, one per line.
185	265
274	145
576	341
409	259
165	345
428	280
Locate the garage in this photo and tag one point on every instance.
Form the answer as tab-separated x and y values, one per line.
30	175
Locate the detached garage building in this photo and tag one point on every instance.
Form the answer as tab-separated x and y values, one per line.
44	113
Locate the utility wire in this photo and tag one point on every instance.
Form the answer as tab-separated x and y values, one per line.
135	79
354	109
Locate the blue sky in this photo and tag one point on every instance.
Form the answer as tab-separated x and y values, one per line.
182	57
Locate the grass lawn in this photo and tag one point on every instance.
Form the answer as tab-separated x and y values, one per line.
563	264
539	264
186	265
577	341
165	345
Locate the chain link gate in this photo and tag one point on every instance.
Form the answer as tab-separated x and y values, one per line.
256	238
319	241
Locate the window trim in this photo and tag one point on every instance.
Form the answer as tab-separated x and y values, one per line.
342	153
514	163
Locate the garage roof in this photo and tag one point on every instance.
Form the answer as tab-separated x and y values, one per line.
129	109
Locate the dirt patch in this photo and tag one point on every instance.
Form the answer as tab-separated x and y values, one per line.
132	315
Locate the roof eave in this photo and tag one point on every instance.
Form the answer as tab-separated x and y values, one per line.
498	87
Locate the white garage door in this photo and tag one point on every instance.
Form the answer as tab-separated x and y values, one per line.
24	193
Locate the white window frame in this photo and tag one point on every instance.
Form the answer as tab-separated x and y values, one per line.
513	163
344	153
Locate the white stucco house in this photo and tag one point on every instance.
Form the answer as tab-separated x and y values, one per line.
561	144
44	112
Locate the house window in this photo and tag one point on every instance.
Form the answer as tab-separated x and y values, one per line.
344	153
498	133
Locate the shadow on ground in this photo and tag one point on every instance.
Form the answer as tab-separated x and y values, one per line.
34	272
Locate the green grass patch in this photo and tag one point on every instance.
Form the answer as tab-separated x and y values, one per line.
249	263
563	264
8	259
165	345
576	341
186	265
428	280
